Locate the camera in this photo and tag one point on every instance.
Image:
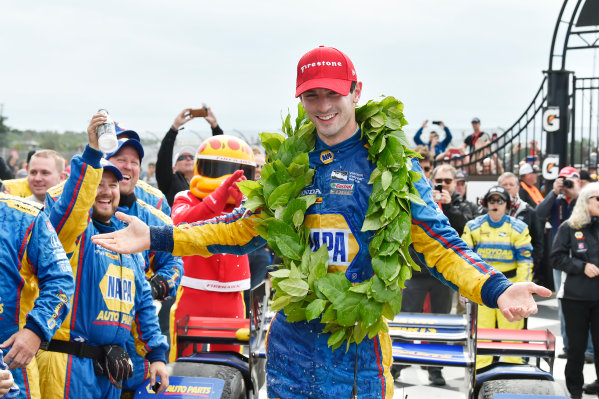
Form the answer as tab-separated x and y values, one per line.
568	183
436	122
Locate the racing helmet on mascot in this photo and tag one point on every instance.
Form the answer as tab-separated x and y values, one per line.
218	158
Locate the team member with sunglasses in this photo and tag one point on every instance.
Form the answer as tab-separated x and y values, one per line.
576	253
176	179
503	242
213	286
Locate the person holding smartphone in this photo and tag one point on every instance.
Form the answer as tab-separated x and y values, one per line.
434	144
174	176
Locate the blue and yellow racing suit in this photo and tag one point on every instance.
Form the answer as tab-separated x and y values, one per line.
37	281
112	296
162	263
299	363
18	187
506	246
152	196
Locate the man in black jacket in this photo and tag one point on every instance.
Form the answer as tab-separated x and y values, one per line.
174	178
459	212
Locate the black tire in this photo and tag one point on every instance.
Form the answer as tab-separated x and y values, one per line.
234	383
530	387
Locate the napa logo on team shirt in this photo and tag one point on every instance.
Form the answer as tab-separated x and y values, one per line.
118	288
326	157
578	235
337	236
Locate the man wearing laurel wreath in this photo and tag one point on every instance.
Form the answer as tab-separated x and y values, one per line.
300	362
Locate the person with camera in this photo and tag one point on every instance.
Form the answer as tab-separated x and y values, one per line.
434	143
557	208
459	212
86	358
576	253
503	242
173	176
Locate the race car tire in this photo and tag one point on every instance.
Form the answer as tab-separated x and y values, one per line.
530	387
235	387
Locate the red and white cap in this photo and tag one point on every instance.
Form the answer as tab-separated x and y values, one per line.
326	68
569	172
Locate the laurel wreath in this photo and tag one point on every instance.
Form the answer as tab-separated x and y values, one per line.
304	288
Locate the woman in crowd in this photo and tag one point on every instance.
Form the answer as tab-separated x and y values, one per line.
576	253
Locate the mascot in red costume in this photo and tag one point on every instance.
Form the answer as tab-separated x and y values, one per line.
213	286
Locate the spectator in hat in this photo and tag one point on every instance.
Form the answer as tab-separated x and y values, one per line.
529	192
144	191
586	178
173	176
434	144
477	136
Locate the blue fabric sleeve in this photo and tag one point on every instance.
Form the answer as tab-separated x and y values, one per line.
161	238
493	288
417	138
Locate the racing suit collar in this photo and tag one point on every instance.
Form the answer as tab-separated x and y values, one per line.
496	224
340	150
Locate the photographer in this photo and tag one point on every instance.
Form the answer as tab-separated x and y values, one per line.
173	176
434	143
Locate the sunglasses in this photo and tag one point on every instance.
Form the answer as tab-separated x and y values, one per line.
184	157
499	201
446	181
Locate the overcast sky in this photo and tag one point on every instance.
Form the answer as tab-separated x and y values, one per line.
144	61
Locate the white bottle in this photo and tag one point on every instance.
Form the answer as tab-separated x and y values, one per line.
107	140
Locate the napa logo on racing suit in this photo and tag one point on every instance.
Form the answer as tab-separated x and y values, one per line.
326	157
337	236
118	289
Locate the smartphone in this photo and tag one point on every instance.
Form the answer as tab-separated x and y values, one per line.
199	112
439	188
436	122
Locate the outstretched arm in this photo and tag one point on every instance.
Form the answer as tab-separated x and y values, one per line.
132	239
233	233
517	302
